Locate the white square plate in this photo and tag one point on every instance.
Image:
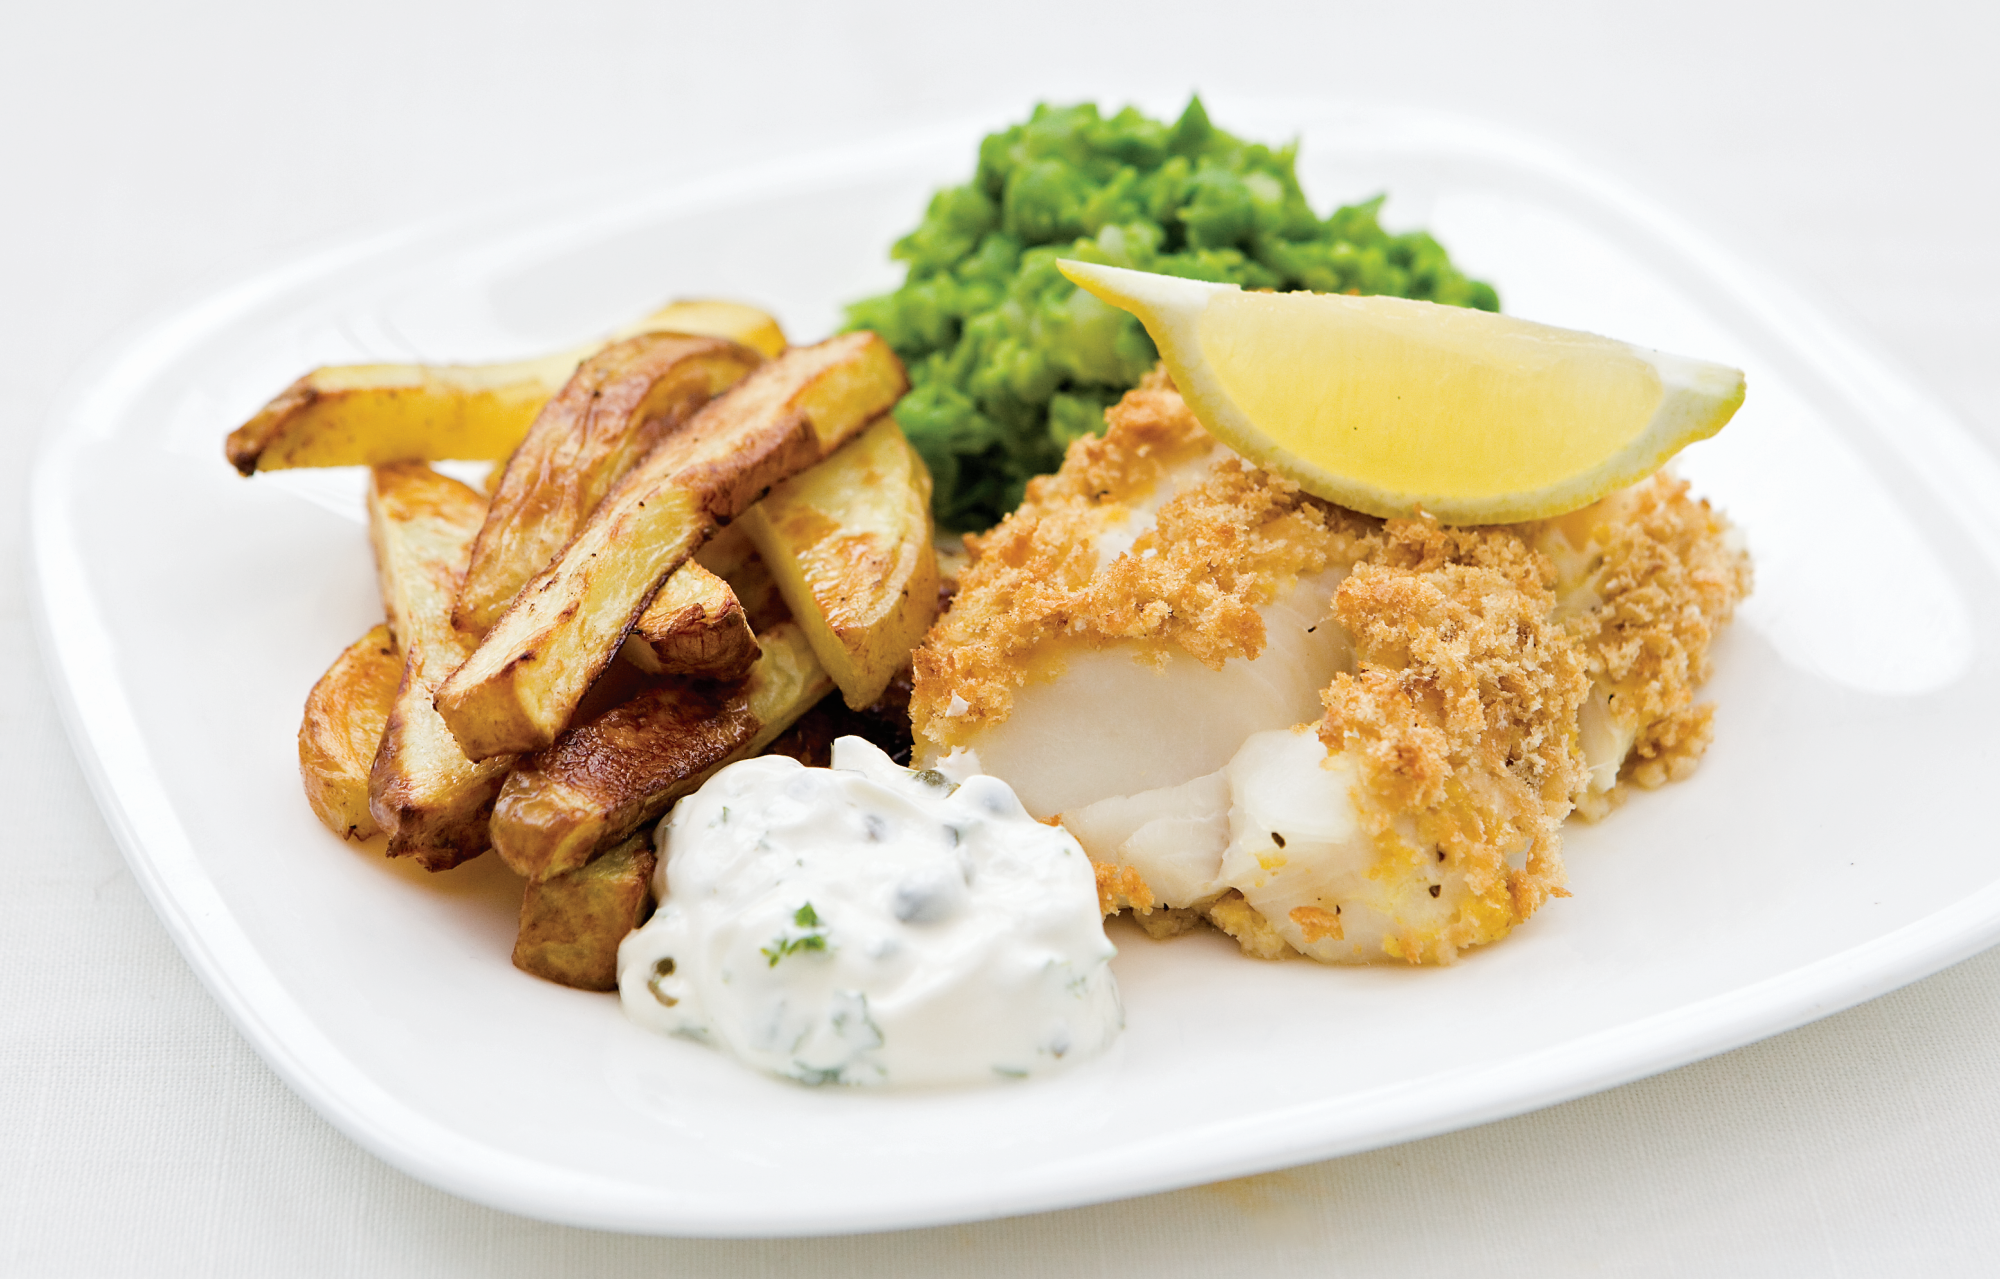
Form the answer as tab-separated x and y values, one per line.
1826	851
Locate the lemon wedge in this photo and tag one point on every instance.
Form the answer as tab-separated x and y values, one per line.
1390	406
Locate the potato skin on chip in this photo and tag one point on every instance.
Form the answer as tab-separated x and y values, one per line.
612	773
373	414
619	404
848	543
425	794
518	690
696	625
571	924
345	715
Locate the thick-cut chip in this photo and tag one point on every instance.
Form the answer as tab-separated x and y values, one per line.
694	626
605	778
346	713
662	640
517	690
849	545
621	402
370	414
571	924
421	525
423	792
730	556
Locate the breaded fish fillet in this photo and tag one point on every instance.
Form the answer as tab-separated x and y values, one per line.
1324	733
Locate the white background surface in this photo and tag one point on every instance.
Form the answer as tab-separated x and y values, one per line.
150	154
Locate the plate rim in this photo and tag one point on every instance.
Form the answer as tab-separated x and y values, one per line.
1945	457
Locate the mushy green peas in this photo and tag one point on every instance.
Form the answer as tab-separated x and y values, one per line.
1009	362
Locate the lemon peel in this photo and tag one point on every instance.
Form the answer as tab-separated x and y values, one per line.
1395	407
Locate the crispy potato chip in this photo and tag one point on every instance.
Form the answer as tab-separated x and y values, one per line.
346	713
423	792
694	626
848	543
371	414
517	690
621	402
571	923
610	775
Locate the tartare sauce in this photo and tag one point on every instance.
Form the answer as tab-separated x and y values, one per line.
866	924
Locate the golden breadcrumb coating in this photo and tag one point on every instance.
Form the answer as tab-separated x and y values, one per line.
1249	929
1657	574
1195	580
1475	649
1122	888
1461	712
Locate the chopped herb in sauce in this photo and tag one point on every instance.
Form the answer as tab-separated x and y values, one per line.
805	917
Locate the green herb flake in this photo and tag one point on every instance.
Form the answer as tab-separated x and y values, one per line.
1009	362
784	946
805	917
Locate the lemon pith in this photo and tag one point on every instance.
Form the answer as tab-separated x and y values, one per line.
1390	406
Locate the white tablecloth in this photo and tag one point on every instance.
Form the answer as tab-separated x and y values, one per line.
151	151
